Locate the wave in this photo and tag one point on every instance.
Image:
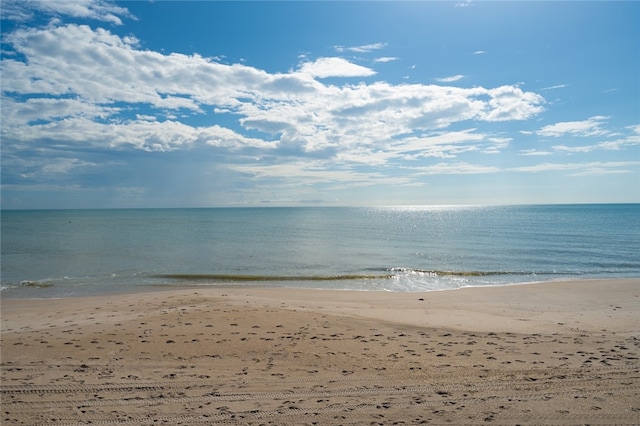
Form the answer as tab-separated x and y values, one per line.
388	274
445	273
26	283
413	275
257	278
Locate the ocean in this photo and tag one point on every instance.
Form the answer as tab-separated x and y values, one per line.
63	253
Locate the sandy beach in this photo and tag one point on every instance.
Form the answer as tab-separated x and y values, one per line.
551	353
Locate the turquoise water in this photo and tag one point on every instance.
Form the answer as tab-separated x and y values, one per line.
57	253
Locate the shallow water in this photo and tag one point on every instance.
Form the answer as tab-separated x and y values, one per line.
58	253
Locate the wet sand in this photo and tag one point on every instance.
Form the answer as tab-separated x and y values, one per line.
555	353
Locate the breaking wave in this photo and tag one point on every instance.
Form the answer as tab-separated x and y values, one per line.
385	273
257	278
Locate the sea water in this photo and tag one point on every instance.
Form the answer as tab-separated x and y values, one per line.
60	253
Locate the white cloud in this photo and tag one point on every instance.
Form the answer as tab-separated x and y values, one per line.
497	145
141	134
16	115
439	144
459	168
386	59
586	128
143	117
361	49
295	174
612	145
22	10
512	103
583	169
534	152
77	100
450	79
334	67
557	86
84	86
574	149
635	128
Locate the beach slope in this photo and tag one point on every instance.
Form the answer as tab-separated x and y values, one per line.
551	353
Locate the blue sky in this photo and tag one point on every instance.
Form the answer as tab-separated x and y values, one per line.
195	104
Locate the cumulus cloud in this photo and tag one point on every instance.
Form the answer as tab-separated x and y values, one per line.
23	10
512	103
74	87
81	100
81	79
141	134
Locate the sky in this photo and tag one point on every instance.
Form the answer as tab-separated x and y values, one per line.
207	103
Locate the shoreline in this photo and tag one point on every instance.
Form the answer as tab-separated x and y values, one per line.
259	284
555	305
540	353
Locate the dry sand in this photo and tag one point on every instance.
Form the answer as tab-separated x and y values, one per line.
558	353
